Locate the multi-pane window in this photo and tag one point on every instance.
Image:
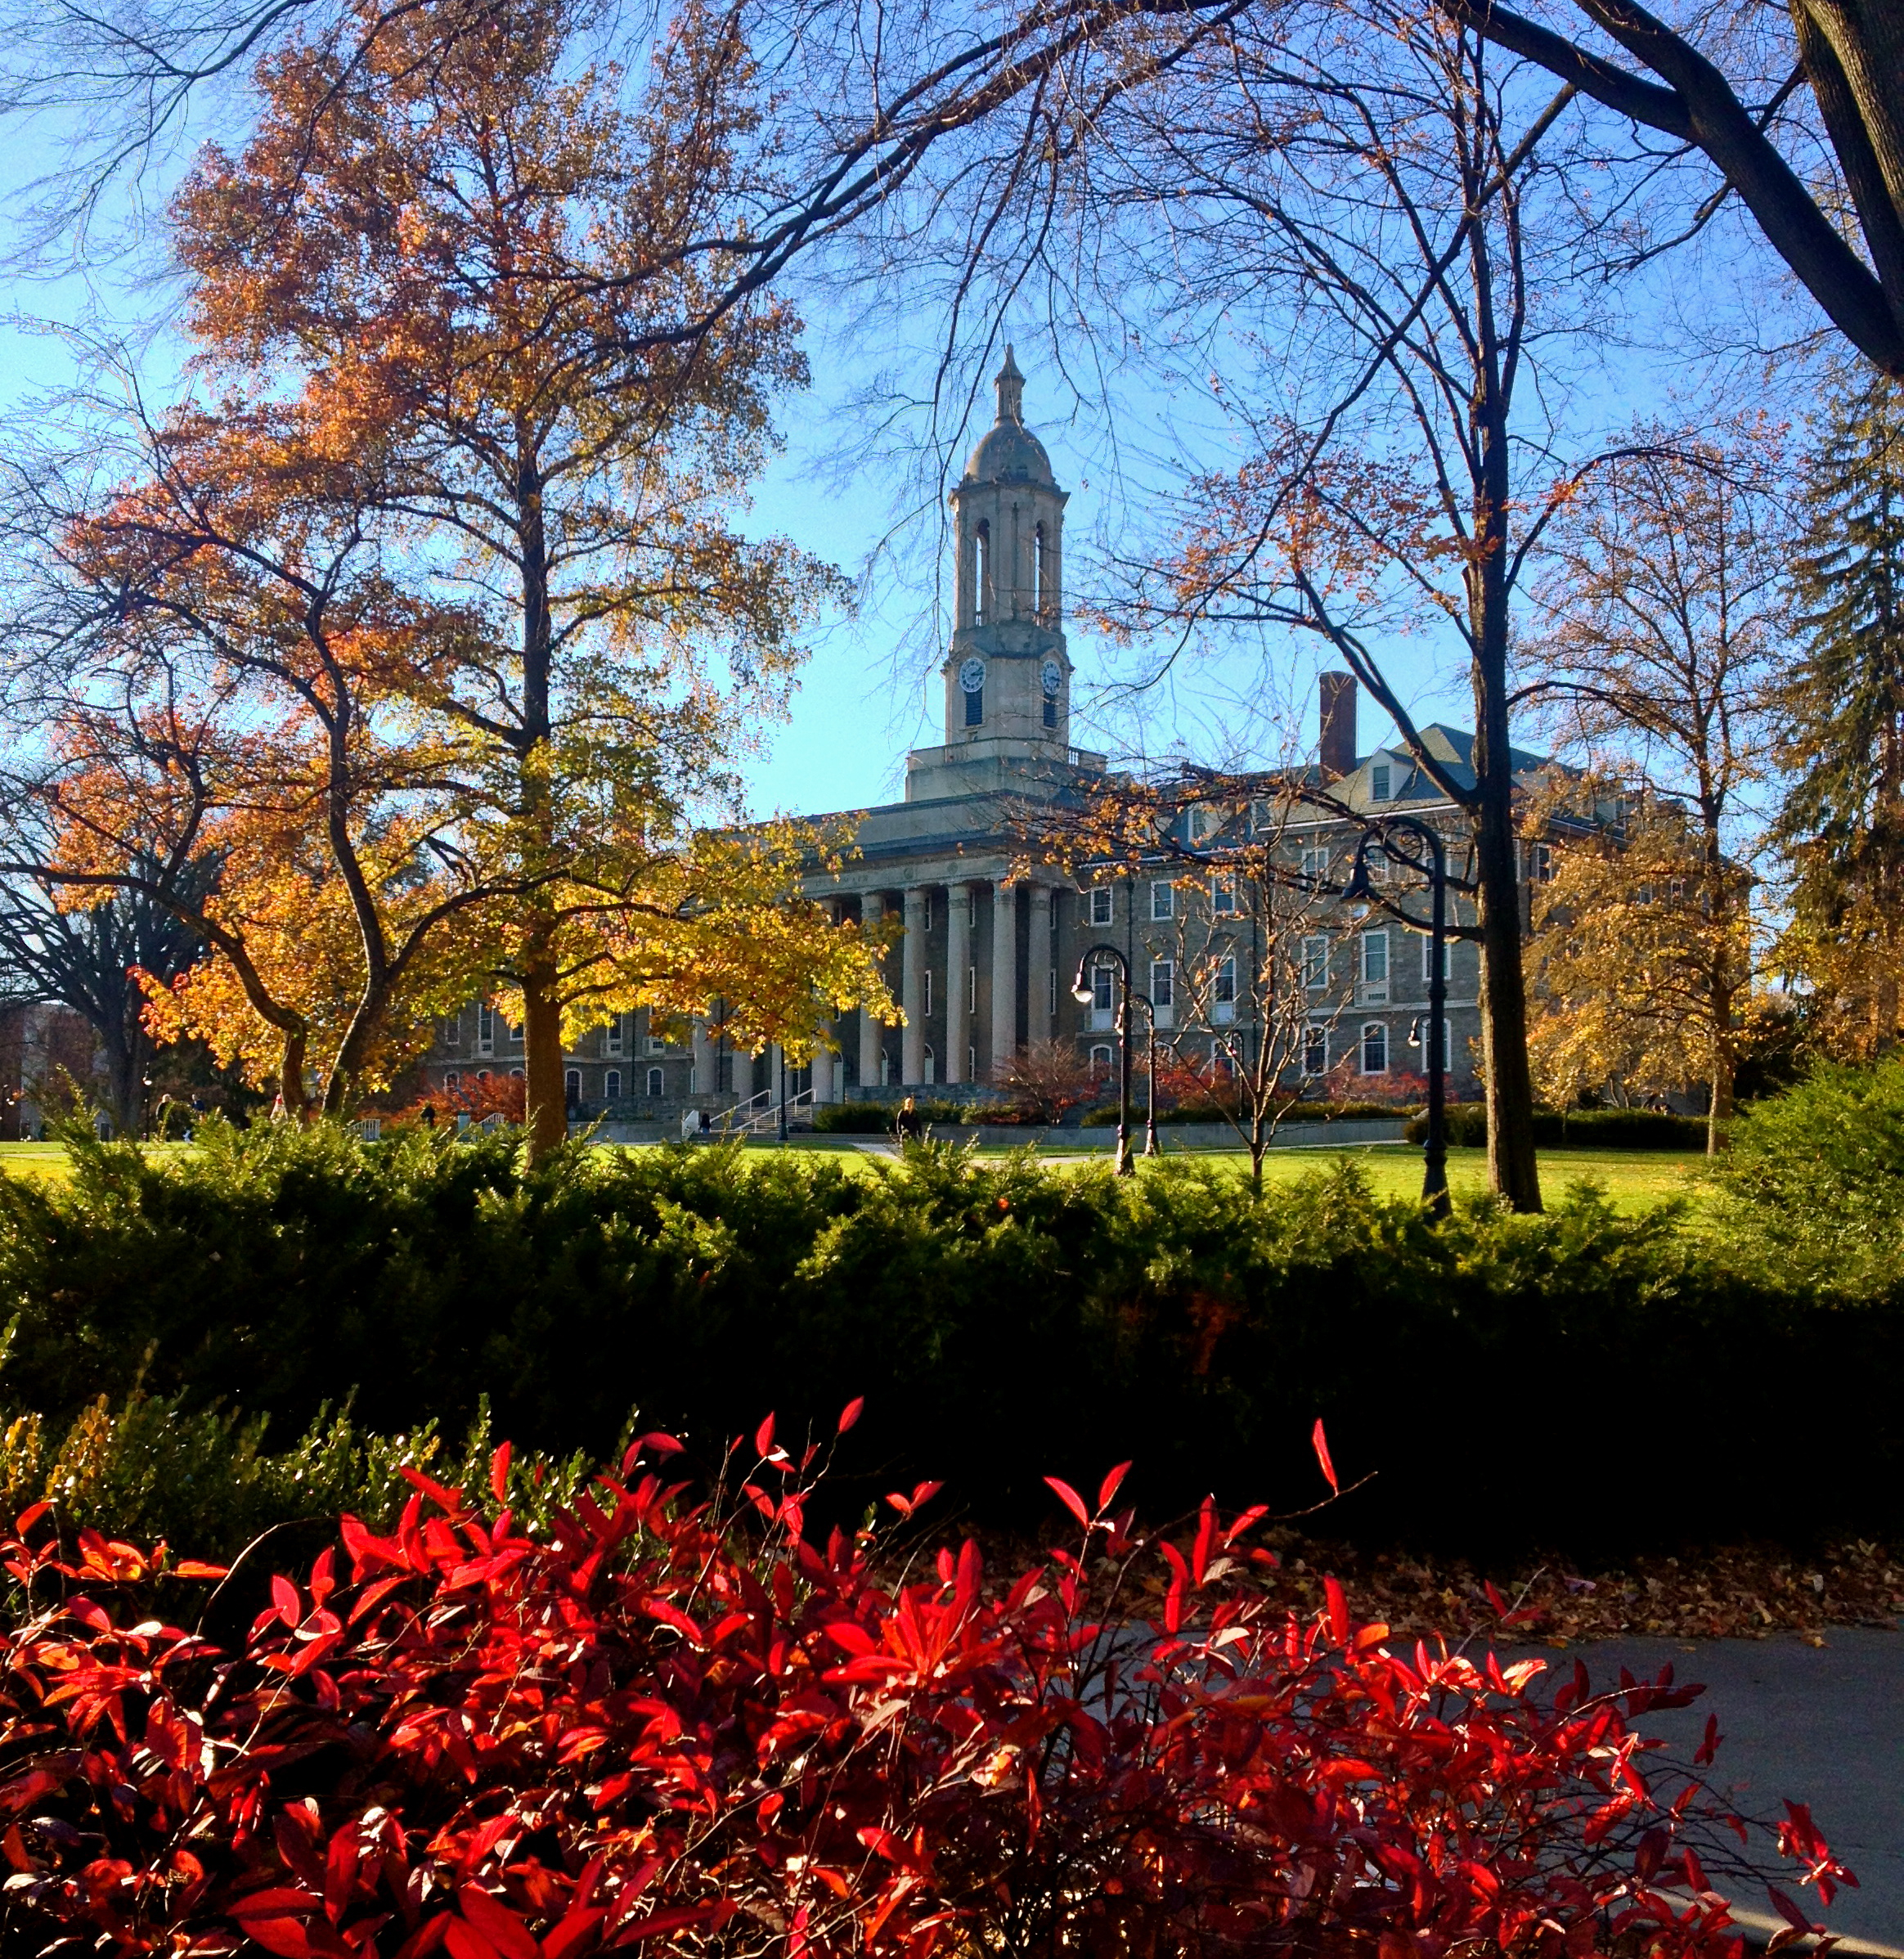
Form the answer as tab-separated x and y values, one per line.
971	989
616	1043
1100	904
1315	961
929	978
1540	863
485	1028
1375	967
572	1089
655	1080
1315	1050
1375	1048
515	1039
1163	900
1100	1064
1315	862
1101	982
1198	822
1223	992
452	1080
1378	782
656	1045
1428	956
1223	896
451	1031
1051	990
1163	982
612	1085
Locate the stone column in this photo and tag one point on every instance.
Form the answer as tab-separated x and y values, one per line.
1004	974
958	962
744	1086
872	910
704	1081
1038	960
911	988
823	1070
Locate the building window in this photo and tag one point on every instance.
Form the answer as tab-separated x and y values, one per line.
928	980
1223	997
982	573
451	1082
572	1090
1378	782
1223	896
1100	1064
1101	977
1163	984
1315	864
1223	1063
516	1036
1101	905
657	1084
1375	971
1163	900
1198	822
1540	863
1050	712
1428	956
1415	1038
972	1064
515	1075
1374	1047
485	1028
616	1022
1315	961
975	708
1051	990
972	905
1315	1050
931	1067
884	1069
612	1085
656	1045
451	1031
971	989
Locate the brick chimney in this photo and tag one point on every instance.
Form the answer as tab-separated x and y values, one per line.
1338	749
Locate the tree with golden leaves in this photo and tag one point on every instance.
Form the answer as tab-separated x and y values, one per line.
473	252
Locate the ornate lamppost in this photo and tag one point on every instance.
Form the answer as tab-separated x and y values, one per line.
1107	954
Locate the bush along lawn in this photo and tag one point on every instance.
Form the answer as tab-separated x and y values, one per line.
682	1715
1605	1385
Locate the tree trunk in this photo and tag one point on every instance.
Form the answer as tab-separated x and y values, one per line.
1513	1170
547	1115
291	1078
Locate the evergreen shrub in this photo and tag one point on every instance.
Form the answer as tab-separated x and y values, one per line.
1015	1318
1575	1129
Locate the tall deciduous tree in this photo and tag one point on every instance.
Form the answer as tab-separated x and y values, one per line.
471	250
1841	717
1663	616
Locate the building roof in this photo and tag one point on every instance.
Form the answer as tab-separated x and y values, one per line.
1008	451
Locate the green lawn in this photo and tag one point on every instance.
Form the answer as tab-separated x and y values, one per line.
1636	1180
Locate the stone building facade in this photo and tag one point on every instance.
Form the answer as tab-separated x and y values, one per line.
989	950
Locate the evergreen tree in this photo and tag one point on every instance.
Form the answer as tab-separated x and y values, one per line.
1841	719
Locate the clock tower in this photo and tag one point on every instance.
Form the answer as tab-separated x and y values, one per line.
1008	677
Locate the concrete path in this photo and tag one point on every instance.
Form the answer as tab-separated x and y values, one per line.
1822	1725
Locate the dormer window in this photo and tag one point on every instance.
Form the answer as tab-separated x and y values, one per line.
1378	782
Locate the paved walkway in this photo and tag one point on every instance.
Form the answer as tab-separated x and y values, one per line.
1822	1725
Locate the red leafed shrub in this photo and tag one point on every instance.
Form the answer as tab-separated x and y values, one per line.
639	1728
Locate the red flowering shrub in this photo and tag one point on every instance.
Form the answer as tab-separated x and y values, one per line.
622	1730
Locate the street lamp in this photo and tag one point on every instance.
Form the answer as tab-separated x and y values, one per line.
1431	856
1100	954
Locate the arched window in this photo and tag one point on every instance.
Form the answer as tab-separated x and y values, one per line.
1041	572
931	1067
572	1090
1100	1064
612	1085
981	599
452	1080
1375	1047
656	1083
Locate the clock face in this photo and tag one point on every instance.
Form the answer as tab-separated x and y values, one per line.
971	675
1054	678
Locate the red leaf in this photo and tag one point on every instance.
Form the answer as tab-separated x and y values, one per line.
465	1942
497	1923
764	1438
1108	1487
1318	1437
662	1445
499	1474
284	1595
1709	1746
1787	1910
29	1516
851	1413
1338	1611
1071	1499
195	1567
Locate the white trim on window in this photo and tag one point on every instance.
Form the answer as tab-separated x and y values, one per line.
1315	961
1163	901
1373	1047
657	1083
1103	905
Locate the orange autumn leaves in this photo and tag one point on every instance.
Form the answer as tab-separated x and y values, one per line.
436	628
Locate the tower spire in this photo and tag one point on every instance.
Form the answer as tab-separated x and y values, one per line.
1011	386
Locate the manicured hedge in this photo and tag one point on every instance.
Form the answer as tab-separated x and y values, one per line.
880	1118
1576	1129
1578	1377
1210	1111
